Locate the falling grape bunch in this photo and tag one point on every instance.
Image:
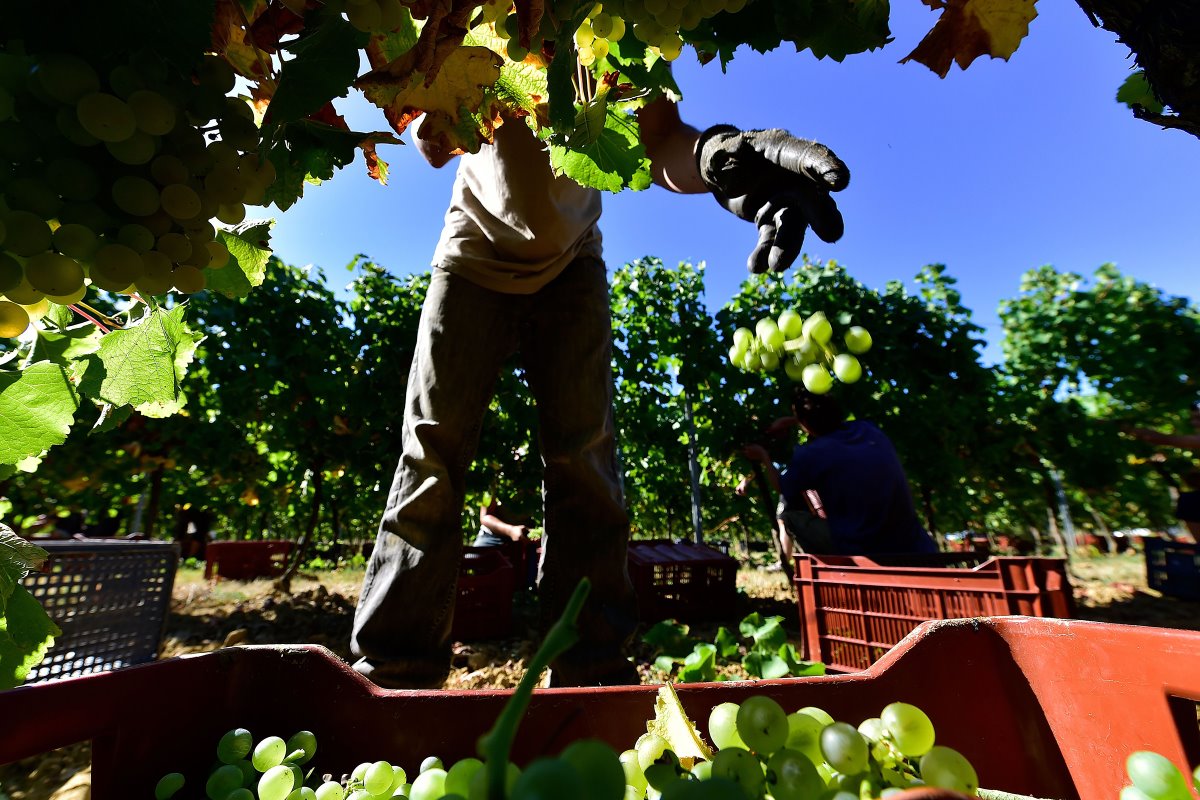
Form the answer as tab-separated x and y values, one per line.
803	347
112	174
759	751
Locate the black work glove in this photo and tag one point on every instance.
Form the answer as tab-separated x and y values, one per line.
778	182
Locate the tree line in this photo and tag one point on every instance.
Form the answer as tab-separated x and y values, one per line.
294	408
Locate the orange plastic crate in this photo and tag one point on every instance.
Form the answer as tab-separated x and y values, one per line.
681	580
242	561
853	610
1042	707
486	582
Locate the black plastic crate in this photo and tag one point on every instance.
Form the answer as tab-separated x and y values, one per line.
109	597
1173	568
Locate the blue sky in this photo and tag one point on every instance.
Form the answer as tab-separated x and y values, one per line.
992	171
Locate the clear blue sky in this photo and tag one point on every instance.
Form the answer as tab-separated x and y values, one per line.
992	171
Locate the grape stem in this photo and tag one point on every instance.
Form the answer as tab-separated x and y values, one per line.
76	307
496	745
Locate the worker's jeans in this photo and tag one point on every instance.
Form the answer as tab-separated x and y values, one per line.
564	335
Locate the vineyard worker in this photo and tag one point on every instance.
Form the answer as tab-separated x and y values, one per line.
854	469
1187	507
518	268
500	525
1183	441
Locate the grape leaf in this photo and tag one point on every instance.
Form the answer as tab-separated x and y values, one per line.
18	557
968	29
529	19
111	417
727	643
63	345
765	665
459	86
558	81
614	161
770	635
142	365
843	29
1136	91
231	38
670	637
25	630
37	407
521	86
273	24
798	667
385	47
635	61
700	665
26	633
310	151
830	28
248	256
325	64
519	91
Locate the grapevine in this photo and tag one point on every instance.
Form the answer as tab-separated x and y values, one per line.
133	140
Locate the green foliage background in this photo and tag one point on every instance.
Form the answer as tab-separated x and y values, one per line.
294	402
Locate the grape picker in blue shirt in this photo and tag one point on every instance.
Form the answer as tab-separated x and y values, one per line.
854	469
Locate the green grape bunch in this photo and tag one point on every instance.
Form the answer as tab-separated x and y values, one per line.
760	751
656	23
1154	777
115	176
804	347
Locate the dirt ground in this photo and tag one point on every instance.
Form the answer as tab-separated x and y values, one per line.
206	616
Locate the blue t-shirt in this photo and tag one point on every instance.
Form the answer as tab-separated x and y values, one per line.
856	471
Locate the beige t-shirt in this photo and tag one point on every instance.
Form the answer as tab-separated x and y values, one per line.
512	226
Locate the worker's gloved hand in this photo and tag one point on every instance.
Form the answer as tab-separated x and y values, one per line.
778	182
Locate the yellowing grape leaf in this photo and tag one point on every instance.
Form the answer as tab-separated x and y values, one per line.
402	94
529	20
671	723
232	39
968	29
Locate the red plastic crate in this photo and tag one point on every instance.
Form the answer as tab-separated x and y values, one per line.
241	561
1173	568
853	609
486	582
681	580
1042	707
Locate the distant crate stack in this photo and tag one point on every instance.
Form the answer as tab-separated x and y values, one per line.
682	580
243	561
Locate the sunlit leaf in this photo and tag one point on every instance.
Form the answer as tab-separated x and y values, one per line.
37	408
968	29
